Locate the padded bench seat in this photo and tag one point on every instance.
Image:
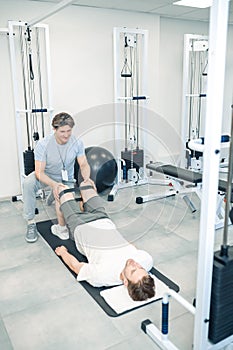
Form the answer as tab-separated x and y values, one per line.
178	173
185	174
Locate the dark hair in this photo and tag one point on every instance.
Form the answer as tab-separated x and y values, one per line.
143	289
62	119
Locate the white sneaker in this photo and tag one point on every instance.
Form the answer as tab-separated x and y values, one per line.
60	231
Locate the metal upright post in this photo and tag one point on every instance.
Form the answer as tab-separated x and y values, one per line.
48	71
214	109
16	96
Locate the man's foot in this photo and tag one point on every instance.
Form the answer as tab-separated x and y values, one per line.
60	231
31	234
50	199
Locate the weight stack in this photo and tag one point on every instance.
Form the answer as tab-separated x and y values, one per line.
221	306
135	156
29	163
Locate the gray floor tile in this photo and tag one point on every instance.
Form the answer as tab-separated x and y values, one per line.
15	251
72	322
12	226
136	343
5	342
181	331
30	284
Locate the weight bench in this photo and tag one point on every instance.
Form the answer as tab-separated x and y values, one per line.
178	173
183	182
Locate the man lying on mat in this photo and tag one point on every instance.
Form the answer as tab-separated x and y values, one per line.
112	260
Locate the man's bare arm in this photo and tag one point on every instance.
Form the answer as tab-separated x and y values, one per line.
69	259
41	176
85	170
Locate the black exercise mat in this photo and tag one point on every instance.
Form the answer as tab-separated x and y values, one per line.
44	230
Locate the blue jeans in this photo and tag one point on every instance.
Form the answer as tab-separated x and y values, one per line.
30	188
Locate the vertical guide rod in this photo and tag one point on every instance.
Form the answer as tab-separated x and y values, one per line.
40	79
24	86
126	102
224	247
15	83
191	89
137	89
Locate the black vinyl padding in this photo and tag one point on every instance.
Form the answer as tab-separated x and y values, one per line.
174	171
185	174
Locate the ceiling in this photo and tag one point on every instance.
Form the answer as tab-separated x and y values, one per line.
164	8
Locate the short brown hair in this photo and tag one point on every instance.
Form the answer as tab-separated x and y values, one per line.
62	119
143	289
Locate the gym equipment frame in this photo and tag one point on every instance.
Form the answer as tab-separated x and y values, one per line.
29	96
215	92
130	87
34	23
195	62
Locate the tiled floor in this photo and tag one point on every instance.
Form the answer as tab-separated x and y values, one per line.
42	307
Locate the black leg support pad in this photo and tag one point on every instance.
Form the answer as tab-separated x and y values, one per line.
78	189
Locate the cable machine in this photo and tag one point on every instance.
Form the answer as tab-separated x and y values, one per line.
195	66
130	82
30	67
31	77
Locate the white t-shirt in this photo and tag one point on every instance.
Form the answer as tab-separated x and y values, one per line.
107	252
58	156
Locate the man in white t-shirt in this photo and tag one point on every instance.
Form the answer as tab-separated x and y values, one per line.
112	260
55	156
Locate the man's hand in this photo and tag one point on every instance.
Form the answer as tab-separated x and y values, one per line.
57	188
69	259
60	250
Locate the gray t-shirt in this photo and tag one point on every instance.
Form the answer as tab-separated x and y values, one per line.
59	157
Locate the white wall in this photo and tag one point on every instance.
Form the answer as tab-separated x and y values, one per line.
171	68
82	75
